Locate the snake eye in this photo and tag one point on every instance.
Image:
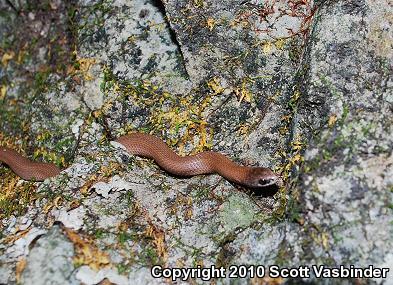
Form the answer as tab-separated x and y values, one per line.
265	182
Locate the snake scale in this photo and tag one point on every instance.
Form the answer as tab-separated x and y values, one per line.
149	146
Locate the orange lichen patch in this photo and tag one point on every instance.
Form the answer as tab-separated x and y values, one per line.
17	235
243	92
87	252
56	203
183	203
20	266
332	120
90	182
215	85
293	158
158	239
81	68
268	47
210	23
3	91
10	142
6	57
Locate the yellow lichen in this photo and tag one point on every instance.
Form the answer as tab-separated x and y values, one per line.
7	56
3	91
87	252
211	24
243	92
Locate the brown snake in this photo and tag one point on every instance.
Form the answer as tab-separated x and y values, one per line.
152	147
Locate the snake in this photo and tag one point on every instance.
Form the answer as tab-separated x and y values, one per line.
152	147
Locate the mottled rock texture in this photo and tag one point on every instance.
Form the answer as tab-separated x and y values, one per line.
303	87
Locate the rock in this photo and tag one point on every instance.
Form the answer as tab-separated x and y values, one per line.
90	277
50	260
22	246
304	87
73	219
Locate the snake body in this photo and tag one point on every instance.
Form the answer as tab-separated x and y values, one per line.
152	147
25	168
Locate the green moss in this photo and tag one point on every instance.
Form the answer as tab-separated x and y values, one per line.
201	193
280	212
294	208
197	256
149	256
99	233
283	254
129	197
179	118
41	82
123	269
16	203
124	236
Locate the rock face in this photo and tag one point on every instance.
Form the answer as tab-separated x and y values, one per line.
344	185
50	260
346	180
303	87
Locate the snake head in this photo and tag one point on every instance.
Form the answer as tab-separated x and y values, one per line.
260	177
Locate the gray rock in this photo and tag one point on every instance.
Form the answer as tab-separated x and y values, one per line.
50	260
314	103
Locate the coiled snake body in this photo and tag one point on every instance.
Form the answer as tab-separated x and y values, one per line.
152	147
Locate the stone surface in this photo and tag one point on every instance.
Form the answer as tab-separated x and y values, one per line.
302	87
50	261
